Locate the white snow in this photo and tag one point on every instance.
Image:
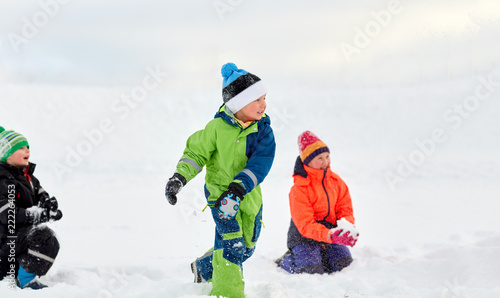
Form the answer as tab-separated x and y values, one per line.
108	92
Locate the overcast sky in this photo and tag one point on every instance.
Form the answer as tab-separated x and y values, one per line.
315	42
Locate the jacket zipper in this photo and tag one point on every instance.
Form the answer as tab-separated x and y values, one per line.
327	197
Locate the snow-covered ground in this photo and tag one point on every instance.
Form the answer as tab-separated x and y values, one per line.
108	93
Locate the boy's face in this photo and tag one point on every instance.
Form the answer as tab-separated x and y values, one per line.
252	111
321	161
20	158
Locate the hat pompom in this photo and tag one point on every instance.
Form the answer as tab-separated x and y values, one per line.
305	139
228	69
2	129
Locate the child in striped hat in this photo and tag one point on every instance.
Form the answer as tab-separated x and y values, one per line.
322	224
27	249
237	147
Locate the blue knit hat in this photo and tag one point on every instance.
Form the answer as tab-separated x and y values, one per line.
239	87
10	142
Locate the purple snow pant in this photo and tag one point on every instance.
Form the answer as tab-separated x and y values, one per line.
326	258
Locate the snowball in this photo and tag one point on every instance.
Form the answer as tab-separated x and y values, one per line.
346	226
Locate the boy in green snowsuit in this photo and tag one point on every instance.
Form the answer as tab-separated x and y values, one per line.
237	147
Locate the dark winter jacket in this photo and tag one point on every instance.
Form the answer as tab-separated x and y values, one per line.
19	190
318	198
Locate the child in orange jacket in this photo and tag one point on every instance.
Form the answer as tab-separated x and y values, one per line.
322	224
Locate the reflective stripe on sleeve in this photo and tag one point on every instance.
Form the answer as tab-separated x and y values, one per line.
192	163
251	175
4	207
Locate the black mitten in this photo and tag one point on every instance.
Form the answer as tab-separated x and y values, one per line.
228	204
36	215
56	215
52	207
174	185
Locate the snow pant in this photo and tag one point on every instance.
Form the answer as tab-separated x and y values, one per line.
325	258
234	243
35	251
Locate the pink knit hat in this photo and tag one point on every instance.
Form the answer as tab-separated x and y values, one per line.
310	146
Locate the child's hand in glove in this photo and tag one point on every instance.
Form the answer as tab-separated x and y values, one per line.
228	204
52	208
174	185
36	215
344	234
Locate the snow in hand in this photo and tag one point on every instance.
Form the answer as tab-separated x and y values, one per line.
345	233
347	227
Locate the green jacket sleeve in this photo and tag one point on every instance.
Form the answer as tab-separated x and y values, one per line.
199	148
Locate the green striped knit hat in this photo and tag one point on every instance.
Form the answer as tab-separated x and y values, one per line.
10	142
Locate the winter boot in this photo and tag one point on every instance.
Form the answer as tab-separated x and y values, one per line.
280	260
34	284
27	280
197	276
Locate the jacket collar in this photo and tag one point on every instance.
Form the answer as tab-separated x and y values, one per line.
299	168
15	171
229	117
308	172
